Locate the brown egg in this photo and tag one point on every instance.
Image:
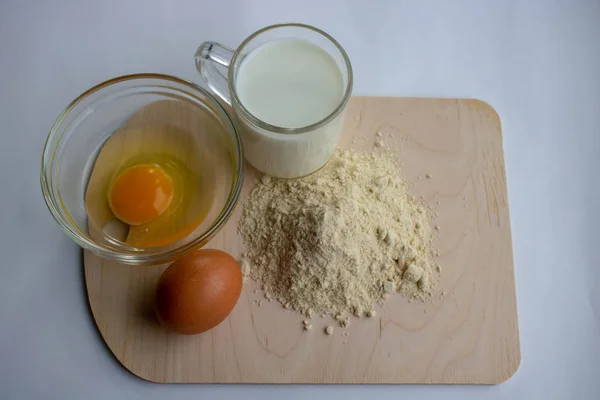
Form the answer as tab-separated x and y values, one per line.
198	291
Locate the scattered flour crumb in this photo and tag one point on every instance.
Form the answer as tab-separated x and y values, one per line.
413	273
245	268
389	287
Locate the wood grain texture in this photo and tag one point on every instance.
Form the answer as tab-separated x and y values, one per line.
469	335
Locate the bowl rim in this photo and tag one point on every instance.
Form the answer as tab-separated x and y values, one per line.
47	162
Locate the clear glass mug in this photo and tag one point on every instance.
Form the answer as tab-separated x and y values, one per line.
275	150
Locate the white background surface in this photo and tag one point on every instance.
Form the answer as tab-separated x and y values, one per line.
536	62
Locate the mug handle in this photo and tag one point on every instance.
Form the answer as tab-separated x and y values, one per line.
208	56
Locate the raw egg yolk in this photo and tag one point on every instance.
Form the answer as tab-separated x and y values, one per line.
140	194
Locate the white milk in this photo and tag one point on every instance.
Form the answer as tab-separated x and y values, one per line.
289	83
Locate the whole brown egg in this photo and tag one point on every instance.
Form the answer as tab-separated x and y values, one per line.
198	291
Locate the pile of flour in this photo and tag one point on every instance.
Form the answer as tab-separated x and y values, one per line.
339	240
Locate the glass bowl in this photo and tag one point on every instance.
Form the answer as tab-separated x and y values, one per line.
79	133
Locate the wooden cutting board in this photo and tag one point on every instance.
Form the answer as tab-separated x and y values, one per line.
467	335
